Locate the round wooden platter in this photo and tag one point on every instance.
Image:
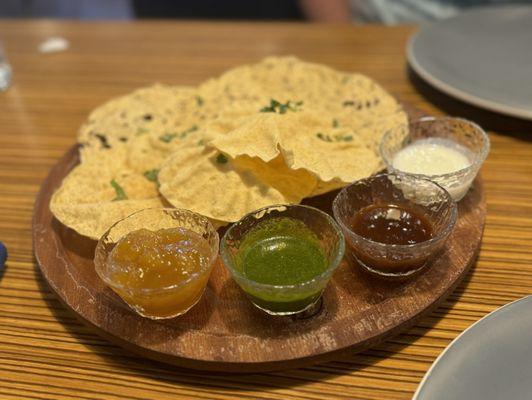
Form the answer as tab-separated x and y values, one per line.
224	331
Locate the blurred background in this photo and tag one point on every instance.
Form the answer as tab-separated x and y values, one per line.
337	11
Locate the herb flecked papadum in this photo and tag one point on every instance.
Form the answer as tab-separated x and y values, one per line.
273	132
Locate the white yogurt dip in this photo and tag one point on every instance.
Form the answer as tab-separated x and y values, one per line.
436	156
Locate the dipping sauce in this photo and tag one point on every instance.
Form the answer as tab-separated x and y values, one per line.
394	225
160	273
435	157
391	224
281	251
283	260
432	156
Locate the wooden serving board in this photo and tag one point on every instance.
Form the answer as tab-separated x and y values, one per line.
224	331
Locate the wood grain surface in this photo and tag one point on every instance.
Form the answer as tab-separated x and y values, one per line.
46	353
224	332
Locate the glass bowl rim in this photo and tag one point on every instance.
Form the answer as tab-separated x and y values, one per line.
474	166
146	291
445	232
282	207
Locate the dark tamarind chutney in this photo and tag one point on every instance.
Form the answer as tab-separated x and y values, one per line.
392	224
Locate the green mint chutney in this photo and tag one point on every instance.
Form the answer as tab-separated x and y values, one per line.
283	260
281	251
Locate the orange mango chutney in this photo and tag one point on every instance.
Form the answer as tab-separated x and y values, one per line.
160	274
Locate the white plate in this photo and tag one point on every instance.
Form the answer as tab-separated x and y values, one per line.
482	56
491	360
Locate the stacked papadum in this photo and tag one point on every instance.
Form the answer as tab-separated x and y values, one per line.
273	132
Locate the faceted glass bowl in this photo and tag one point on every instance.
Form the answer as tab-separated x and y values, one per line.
284	299
463	132
423	196
165	302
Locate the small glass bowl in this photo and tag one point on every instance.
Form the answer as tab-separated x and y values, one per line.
423	196
164	302
465	133
284	299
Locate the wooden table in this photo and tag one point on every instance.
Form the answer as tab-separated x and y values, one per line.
46	353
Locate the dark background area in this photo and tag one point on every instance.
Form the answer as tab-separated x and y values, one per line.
216	9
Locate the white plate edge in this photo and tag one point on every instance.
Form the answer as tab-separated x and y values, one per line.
428	373
457	93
